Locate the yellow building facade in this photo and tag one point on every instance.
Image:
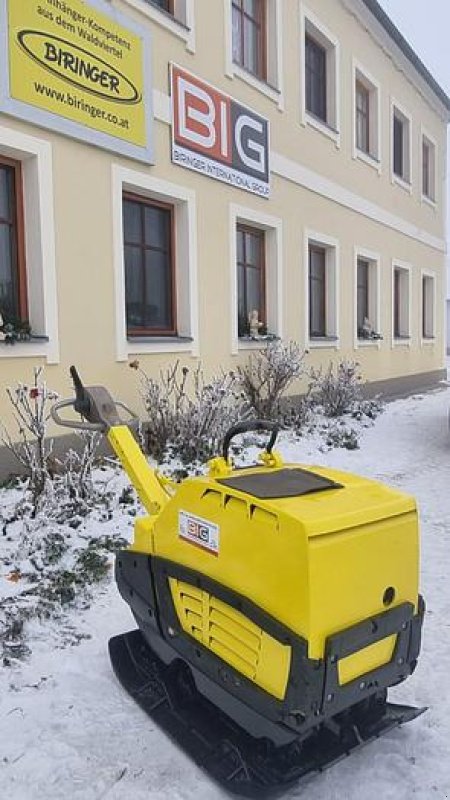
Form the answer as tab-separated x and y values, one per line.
169	168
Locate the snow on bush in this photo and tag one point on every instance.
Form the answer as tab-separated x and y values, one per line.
60	485
31	447
52	558
187	416
52	545
267	376
338	391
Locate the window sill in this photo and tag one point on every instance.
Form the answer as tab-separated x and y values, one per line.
323	127
402	183
140	345
162	18
29	348
270	91
256	343
428	201
374	343
427	341
158	338
401	341
368	159
318	342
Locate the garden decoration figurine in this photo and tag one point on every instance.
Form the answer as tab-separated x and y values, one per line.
254	323
367	331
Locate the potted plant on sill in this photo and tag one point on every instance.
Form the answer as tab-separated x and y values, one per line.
12	331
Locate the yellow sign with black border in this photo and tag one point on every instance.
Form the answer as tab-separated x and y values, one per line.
73	60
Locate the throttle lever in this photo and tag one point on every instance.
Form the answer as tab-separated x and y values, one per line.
82	404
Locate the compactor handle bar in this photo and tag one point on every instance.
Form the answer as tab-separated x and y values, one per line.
245	427
95	405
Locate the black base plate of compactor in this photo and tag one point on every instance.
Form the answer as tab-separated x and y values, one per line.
242	764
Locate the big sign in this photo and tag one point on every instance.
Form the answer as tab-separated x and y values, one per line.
218	137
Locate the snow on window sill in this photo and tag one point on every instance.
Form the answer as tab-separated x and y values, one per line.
28	348
256	342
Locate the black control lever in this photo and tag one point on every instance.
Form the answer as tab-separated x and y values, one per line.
82	403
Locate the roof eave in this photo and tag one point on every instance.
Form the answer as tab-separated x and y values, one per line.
386	22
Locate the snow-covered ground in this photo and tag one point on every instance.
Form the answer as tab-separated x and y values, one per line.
67	729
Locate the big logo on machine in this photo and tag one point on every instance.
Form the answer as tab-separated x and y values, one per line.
215	135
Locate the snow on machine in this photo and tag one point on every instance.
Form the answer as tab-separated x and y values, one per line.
275	604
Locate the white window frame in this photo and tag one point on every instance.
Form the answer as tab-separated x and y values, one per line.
405	339
273	86
273	243
35	156
428	275
186	281
182	24
431	141
373	158
332	267
310	23
374	295
397	179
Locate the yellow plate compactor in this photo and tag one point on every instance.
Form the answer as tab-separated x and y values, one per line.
275	605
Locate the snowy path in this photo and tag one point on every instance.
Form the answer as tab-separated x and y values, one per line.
67	730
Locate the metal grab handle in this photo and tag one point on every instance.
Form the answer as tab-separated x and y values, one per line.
95	406
68	423
87	426
245	427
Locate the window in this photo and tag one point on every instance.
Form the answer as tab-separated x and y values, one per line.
250	257
428	168
367	312
172	323
249	35
149	266
362	291
26	185
428	307
401	303
254	45
316	78
13	288
320	83
362	117
317	292
366	101
322	288
401	145
255	275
